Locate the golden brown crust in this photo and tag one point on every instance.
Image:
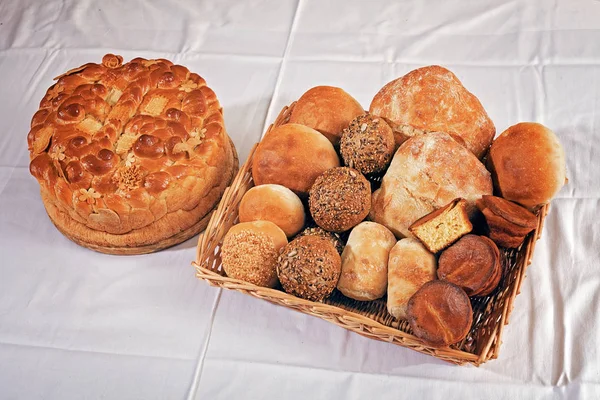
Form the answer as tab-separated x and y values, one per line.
326	109
427	172
470	263
340	199
365	262
293	156
508	223
440	313
527	164
367	144
433	99
274	203
250	251
442	227
309	267
117	148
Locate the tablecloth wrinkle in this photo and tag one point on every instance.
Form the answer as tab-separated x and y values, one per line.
76	324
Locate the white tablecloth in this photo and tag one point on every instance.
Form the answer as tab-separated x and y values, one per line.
76	324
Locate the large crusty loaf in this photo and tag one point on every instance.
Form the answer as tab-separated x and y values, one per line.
427	172
130	157
365	262
250	251
274	203
410	266
294	156
527	164
326	109
433	99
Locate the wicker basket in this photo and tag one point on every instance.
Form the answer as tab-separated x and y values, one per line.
370	319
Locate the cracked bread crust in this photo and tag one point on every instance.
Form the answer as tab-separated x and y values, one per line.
433	99
427	172
130	156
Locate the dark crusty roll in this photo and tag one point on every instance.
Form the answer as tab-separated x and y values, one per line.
440	313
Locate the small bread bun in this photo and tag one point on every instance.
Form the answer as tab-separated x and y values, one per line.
367	144
274	203
250	251
318	231
294	156
340	199
440	313
309	267
472	263
327	109
365	262
527	164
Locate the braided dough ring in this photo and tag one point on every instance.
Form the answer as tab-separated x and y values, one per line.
131	158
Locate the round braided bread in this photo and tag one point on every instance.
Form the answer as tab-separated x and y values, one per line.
130	156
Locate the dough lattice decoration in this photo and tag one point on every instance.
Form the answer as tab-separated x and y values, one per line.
130	154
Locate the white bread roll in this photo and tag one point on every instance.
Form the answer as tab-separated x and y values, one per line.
410	266
364	262
274	203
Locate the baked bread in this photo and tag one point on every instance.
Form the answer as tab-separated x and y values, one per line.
527	164
318	231
294	156
340	199
433	99
427	172
309	267
440	313
367	144
326	109
508	223
274	203
250	251
442	227
410	266
131	158
473	263
365	262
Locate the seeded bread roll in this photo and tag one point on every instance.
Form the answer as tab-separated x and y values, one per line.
318	231
440	313
367	144
294	156
326	109
365	262
309	267
527	164
274	203
410	266
340	199
250	251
